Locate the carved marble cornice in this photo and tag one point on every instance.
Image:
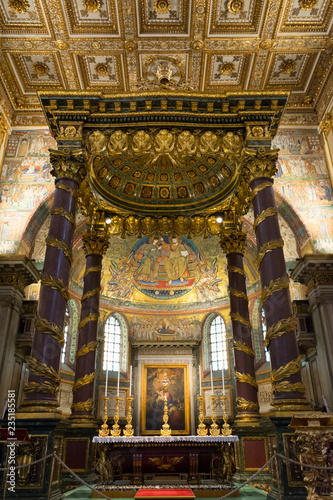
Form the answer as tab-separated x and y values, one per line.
316	272
17	271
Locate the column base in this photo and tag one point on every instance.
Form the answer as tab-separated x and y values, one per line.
249	419
83	421
288	407
32	409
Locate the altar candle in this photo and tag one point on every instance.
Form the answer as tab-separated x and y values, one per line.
130	389
211	378
199	380
118	381
106	384
223	389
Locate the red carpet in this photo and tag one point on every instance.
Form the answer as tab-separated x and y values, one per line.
167	493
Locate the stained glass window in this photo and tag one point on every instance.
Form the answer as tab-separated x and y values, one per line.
112	334
64	345
218	342
264	331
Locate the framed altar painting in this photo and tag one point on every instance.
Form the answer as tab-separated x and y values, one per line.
177	393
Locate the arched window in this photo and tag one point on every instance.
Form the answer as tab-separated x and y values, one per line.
64	345
264	331
112	333
218	344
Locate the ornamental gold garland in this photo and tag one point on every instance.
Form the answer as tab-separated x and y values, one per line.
91	346
60	245
80	382
259	188
86	319
238	293
289	387
92	270
269	212
268	247
238	270
243	404
56	284
279	328
70	190
83	405
247	379
241	346
287	370
44	387
42	370
63	213
91	293
49	328
274	286
241	319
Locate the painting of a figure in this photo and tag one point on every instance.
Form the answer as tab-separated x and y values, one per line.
162	383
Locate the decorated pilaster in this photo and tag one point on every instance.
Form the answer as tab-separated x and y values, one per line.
288	390
233	244
95	244
316	272
43	385
16	272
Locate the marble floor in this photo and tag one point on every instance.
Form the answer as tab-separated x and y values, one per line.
83	493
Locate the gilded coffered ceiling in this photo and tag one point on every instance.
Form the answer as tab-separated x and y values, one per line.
214	45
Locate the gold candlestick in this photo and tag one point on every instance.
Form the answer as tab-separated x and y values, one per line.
225	431
104	430
202	429
115	431
165	431
129	431
213	430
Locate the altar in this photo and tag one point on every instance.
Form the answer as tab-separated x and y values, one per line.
146	460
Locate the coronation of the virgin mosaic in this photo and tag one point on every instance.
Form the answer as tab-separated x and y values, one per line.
166	250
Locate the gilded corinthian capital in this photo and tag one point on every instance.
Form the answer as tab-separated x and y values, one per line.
3	128
233	241
260	163
95	242
68	164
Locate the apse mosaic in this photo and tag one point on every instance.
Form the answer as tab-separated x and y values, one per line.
160	269
303	180
25	183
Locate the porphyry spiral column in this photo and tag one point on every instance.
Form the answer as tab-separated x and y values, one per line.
95	244
288	389
43	385
233	245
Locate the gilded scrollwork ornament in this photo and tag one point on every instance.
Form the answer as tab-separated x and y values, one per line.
92	5
308	4
3	128
18	6
235	7
243	405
